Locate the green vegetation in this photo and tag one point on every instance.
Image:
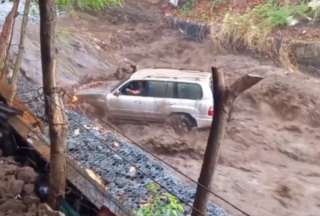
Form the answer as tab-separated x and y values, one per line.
89	4
188	6
253	27
161	204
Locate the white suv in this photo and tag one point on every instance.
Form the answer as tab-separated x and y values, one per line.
182	98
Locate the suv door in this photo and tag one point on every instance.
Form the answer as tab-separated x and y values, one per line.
128	103
158	91
185	98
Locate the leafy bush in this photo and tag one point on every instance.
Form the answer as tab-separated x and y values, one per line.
273	15
161	204
252	28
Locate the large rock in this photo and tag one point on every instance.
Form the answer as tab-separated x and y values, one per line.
11	188
13	205
28	189
15	188
31	199
27	174
7	169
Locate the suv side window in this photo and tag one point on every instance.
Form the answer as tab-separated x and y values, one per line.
171	90
134	88
189	91
157	89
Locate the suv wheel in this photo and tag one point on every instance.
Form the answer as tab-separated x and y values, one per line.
181	123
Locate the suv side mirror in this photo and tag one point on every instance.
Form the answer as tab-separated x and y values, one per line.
116	93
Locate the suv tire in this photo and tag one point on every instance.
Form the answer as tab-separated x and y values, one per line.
181	123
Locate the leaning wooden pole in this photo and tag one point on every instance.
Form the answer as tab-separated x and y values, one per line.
6	36
223	102
214	141
17	65
53	104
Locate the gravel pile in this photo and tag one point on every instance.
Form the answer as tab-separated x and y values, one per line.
125	166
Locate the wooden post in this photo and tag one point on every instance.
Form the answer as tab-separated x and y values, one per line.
53	104
6	36
223	100
16	70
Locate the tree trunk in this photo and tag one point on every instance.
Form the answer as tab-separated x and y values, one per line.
223	100
53	104
15	74
6	36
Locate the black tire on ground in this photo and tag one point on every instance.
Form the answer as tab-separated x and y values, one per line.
181	123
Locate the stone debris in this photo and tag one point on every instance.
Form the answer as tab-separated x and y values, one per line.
17	191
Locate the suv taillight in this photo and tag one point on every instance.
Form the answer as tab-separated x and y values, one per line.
211	111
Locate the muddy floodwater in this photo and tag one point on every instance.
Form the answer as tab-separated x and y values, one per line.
269	161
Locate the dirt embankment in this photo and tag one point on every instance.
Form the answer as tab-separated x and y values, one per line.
269	162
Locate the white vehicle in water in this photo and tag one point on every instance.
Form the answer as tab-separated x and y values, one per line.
182	98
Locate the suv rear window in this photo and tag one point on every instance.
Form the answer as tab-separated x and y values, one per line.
189	91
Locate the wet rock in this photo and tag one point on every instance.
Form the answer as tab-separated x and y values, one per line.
33	208
28	189
7	169
27	174
15	188
13	205
31	199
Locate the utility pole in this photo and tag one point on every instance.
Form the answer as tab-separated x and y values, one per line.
224	98
53	104
14	79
